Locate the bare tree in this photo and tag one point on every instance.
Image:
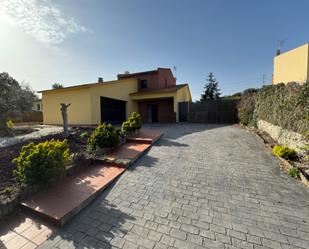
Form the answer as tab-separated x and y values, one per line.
64	112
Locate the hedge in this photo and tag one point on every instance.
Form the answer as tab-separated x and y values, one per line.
284	105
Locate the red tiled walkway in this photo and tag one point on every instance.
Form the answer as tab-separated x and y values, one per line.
22	231
71	194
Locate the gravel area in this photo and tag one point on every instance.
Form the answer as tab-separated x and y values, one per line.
41	131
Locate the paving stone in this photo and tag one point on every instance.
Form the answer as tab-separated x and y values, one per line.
223	238
299	242
211	183
217	229
118	242
207	234
178	234
236	234
167	240
151	225
155	236
146	243
163	229
254	239
189	229
195	239
271	244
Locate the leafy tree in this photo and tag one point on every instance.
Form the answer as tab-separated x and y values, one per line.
15	98
211	91
57	86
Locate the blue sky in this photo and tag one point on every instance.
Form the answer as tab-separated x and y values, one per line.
76	41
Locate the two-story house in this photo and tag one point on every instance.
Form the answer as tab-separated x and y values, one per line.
154	94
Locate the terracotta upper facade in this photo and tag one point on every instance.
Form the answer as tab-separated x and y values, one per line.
151	80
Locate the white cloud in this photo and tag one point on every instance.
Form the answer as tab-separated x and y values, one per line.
40	19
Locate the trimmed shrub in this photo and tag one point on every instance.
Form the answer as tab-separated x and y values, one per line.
245	108
104	136
293	172
42	163
284	105
284	151
132	124
10	124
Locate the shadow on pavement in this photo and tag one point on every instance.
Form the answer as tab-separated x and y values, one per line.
100	225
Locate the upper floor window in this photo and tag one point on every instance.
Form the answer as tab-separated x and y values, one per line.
38	107
143	84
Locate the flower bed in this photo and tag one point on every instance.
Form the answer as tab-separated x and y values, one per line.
295	166
11	191
41	162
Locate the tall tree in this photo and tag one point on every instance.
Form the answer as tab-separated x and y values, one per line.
15	98
57	86
211	89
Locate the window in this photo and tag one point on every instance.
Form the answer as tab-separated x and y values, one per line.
143	84
38	106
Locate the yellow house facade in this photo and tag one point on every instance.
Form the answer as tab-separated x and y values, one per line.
114	101
292	66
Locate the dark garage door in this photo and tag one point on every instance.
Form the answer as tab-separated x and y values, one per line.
113	110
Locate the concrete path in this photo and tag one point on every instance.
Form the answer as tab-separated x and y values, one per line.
201	187
41	131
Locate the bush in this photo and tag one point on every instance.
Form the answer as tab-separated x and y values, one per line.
42	163
293	172
284	151
133	123
10	124
245	108
284	105
104	136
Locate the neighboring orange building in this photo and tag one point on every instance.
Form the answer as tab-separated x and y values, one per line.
292	65
154	94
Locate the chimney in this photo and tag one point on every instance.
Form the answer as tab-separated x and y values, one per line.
100	80
278	52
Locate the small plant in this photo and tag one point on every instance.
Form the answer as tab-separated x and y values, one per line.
132	124
120	133
293	172
8	191
83	135
104	136
284	152
10	124
42	163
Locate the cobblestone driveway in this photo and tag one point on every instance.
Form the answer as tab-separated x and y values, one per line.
199	187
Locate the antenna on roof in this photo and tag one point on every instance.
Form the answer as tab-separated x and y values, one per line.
279	46
175	72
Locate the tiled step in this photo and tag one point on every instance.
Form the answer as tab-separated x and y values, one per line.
73	193
146	135
70	195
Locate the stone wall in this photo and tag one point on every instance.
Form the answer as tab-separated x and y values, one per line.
285	137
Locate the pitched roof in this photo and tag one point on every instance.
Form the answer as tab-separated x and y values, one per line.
81	86
130	75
